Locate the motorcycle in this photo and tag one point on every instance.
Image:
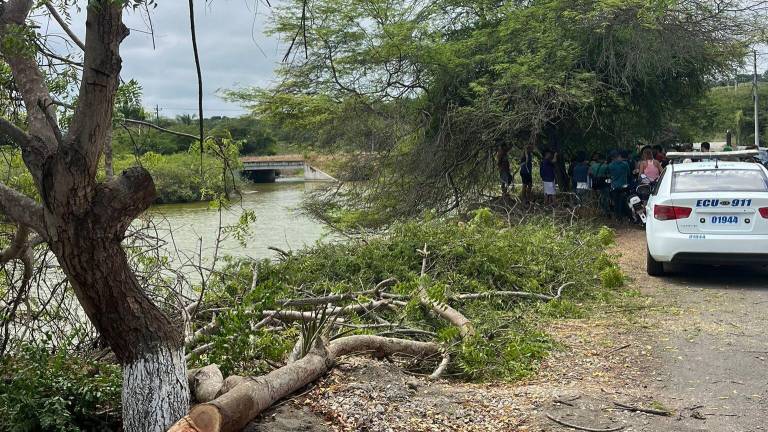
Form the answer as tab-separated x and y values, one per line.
637	200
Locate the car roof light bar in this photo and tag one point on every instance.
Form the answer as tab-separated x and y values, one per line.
717	156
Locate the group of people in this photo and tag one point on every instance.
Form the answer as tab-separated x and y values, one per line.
607	178
613	177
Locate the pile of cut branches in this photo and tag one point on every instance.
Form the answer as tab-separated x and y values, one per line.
445	297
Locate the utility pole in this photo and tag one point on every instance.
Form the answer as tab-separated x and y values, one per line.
754	90
157	115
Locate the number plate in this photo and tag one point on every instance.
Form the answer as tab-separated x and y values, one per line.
724	220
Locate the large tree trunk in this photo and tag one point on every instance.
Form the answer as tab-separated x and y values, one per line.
145	341
84	222
155	392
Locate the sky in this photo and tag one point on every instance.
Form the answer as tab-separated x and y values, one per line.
233	52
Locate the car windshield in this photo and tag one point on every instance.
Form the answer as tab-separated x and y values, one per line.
720	180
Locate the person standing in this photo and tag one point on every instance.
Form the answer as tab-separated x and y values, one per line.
705	148
505	174
547	172
649	167
619	173
598	174
526	173
581	176
660	155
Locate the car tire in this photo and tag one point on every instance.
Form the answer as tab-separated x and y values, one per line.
653	267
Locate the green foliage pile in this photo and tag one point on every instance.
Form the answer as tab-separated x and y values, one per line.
61	392
477	256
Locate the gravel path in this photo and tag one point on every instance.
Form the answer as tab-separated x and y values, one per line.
694	344
714	351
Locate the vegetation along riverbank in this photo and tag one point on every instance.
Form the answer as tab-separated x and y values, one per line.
481	295
432	117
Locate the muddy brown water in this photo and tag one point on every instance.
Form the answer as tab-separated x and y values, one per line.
185	227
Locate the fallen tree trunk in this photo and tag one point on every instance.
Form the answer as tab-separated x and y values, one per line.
207	382
250	396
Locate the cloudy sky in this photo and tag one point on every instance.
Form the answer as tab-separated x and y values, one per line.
233	52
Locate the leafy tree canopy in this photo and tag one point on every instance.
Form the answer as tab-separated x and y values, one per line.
431	87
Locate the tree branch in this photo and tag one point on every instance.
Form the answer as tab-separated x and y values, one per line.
101	74
119	201
28	77
64	25
161	129
21	209
441	309
17	247
18	136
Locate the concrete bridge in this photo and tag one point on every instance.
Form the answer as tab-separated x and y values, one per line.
266	169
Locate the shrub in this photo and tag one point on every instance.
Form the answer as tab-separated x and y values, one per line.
40	391
612	277
177	176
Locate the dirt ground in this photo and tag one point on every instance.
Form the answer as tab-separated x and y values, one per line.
694	345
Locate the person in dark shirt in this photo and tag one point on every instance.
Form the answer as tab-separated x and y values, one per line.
526	173
581	176
598	174
619	173
547	172
505	174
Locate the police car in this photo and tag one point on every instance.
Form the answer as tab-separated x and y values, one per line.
713	211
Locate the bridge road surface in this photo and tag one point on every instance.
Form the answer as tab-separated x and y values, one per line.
715	357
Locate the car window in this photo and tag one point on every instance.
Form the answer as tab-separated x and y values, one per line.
720	180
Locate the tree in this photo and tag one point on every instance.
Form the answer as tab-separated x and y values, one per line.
442	83
84	221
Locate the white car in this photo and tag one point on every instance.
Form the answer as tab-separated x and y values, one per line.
713	212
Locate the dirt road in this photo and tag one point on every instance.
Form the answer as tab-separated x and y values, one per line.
693	344
713	354
704	355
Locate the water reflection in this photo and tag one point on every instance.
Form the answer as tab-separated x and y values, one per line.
277	223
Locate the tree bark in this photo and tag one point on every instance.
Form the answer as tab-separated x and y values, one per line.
109	170
207	383
155	392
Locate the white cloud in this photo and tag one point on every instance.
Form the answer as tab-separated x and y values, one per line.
233	52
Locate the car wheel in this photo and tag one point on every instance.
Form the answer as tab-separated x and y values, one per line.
653	267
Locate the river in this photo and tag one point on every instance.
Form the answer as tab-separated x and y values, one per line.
278	223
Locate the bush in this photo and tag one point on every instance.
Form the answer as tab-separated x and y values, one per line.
464	257
177	176
40	391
